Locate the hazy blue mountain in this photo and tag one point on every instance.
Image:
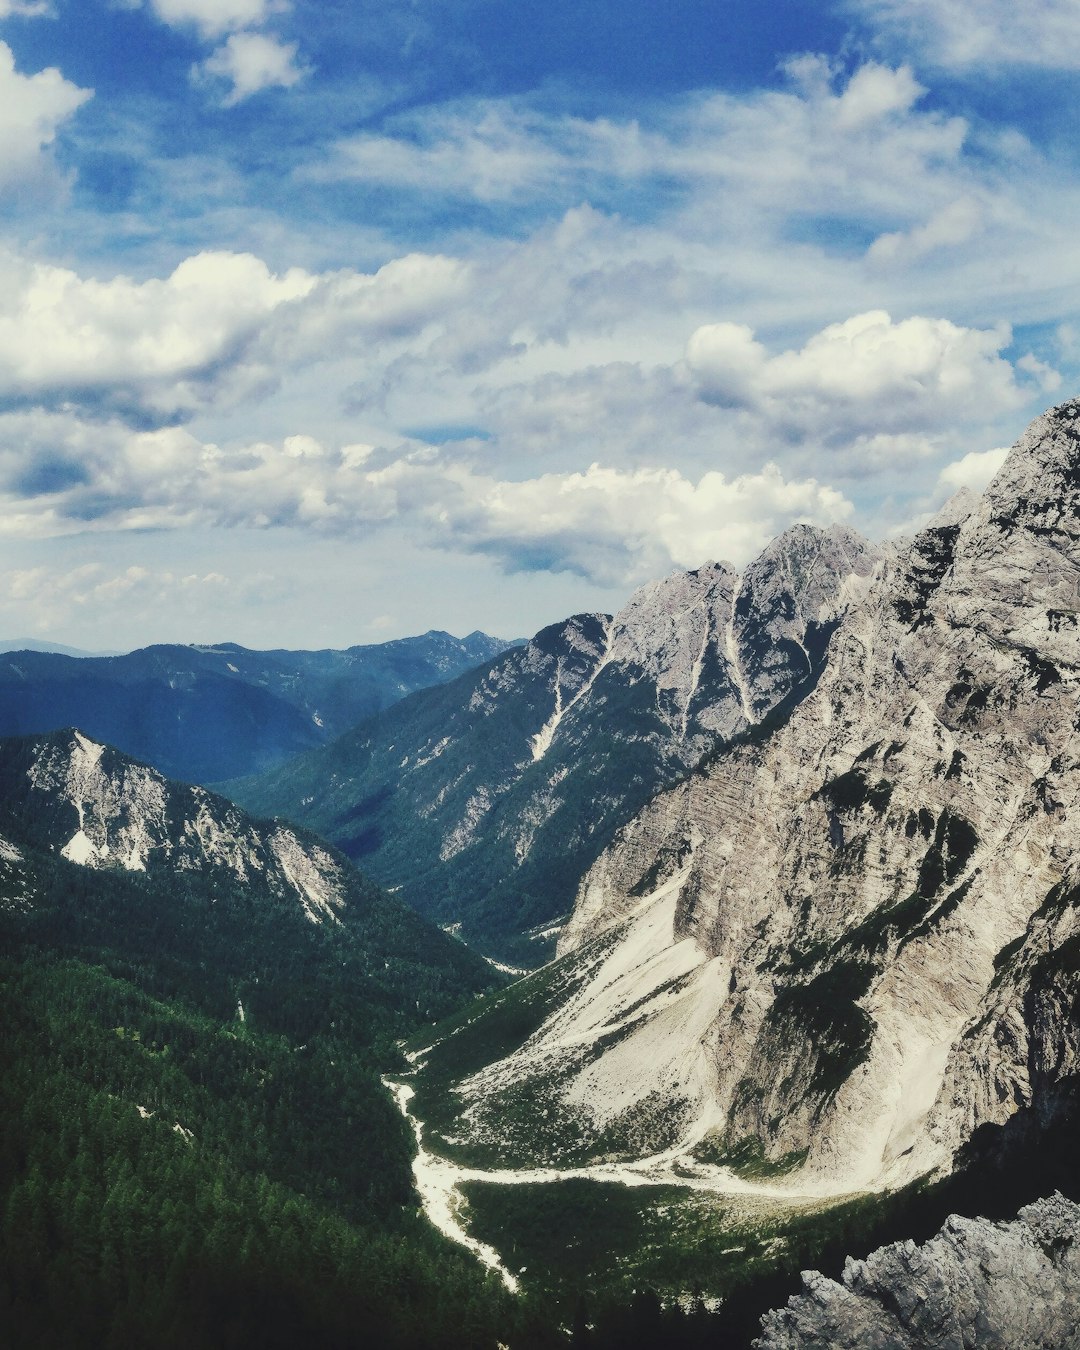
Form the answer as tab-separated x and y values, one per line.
202	714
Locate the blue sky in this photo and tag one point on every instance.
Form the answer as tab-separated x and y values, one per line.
322	324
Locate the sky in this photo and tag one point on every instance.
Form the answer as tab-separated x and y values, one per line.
325	323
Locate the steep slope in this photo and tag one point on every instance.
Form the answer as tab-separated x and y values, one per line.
195	1147
849	941
268	894
484	801
977	1283
202	714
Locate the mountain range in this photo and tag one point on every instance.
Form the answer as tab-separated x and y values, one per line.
205	713
843	945
483	802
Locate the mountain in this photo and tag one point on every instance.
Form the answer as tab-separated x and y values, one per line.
202	714
196	1008
976	1283
484	801
848	943
57	648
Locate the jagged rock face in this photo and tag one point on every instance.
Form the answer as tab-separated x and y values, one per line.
1010	1285
853	938
99	809
487	800
788	604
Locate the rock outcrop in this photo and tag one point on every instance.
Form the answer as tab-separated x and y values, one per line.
1002	1286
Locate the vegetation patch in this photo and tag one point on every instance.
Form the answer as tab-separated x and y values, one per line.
824	1014
746	1156
854	790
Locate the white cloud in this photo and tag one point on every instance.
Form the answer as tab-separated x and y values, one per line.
26	9
955	224
32	108
96	594
252	62
606	524
966	33
973	471
867	375
214	17
60	476
222	326
800	144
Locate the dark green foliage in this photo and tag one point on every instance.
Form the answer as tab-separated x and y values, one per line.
746	1157
854	790
284	1217
282	1212
825	1014
954	843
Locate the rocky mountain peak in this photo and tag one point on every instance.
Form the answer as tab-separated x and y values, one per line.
1039	483
99	809
976	1283
789	601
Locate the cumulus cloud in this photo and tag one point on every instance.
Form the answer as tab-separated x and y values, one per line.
59	476
973	471
966	33
867	375
220	327
605	524
251	62
32	108
215	17
27	9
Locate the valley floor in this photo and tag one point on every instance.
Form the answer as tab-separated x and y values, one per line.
448	1189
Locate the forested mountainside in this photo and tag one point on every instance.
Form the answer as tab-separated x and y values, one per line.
484	801
195	1147
207	713
838	949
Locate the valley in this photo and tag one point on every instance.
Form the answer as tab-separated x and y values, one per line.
723	938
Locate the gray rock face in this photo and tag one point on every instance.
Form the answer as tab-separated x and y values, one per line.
1003	1286
851	938
97	808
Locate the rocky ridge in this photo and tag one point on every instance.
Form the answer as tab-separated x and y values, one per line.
849	940
485	801
96	808
1010	1285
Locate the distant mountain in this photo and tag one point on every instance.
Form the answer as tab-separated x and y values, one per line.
57	648
202	714
485	800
